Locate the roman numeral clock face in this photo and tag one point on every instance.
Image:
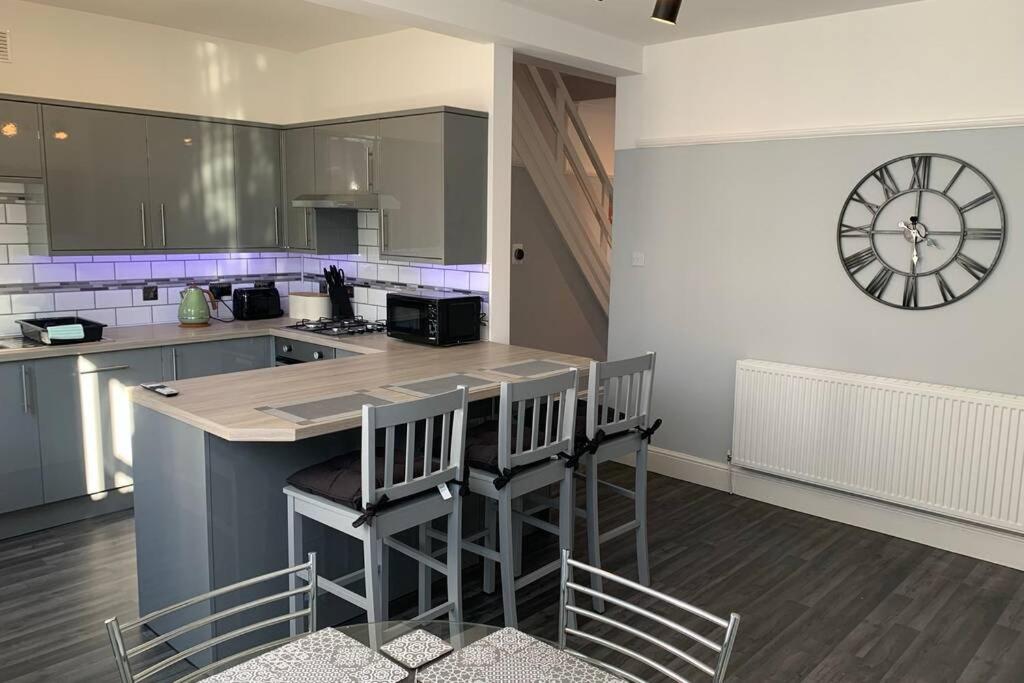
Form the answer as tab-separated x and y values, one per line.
921	231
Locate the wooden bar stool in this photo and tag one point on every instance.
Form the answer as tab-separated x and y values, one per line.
616	422
527	449
374	493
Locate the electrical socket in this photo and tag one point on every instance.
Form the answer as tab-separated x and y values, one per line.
220	290
150	293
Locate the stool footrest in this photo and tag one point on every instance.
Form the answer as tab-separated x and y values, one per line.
415	554
621	490
618	531
537	523
341	592
526	580
478	549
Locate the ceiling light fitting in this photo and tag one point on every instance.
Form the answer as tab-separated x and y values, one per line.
667	11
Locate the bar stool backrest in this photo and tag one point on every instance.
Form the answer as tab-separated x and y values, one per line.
549	405
615	635
619	394
434	433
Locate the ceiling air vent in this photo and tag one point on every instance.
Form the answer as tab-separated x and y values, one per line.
5	45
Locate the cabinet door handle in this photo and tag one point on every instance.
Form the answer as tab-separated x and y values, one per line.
25	402
174	364
371	168
163	225
384	231
305	217
112	368
142	206
277	226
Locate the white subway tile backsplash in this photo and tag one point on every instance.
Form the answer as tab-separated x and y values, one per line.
111	258
9	325
71	259
360	295
182	257
230	268
147	257
201	269
387	273
3	253
368	238
92	272
5	304
13	234
377	297
261	266
456	279
133	270
168	269
134	316
16	274
114	298
16	213
31	303
367	271
365	310
74	300
165	314
480	282
289	265
18	253
432	277
410	276
55	272
107	316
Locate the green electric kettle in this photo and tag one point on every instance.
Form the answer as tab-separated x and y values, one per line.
193	311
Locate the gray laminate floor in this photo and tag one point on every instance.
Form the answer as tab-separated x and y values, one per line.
820	601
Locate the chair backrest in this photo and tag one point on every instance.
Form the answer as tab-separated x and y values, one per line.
619	394
549	405
722	648
431	433
123	655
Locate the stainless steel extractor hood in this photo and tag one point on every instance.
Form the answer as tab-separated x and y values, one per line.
353	202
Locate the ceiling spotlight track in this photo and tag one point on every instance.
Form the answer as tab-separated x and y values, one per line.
667	11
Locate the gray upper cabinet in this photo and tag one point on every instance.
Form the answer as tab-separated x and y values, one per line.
85	424
434	168
21	481
258	187
299	178
19	140
345	157
220	357
97	180
192	183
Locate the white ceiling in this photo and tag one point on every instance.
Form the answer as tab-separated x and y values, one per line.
630	19
292	25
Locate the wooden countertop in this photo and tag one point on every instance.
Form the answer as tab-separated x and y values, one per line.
235	406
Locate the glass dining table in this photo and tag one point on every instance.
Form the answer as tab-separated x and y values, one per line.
421	651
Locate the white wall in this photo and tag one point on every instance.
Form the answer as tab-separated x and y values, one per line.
64	54
400	70
928	61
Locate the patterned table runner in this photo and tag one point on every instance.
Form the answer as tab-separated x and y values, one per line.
326	656
510	656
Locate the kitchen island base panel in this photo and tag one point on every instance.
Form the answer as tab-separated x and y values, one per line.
62	512
210	513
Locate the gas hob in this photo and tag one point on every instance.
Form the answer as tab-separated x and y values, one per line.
330	327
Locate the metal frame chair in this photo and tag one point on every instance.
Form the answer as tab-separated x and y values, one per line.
123	655
568	610
531	467
618	413
405	508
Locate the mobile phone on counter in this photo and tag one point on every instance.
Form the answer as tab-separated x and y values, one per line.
161	389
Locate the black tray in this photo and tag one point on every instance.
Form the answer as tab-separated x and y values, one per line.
36	329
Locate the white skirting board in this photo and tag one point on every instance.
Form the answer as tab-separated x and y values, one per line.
976	541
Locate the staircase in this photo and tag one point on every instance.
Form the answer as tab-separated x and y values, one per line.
550	140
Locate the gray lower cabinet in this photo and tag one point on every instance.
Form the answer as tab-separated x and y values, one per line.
85	419
258	187
220	357
21	480
192	183
299	178
97	180
435	167
345	157
20	153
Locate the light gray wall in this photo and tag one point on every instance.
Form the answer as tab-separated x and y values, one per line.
552	305
740	243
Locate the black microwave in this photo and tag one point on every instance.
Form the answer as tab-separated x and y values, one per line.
437	318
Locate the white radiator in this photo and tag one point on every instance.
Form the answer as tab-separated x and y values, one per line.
956	452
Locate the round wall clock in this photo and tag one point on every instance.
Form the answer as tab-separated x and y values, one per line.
921	231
